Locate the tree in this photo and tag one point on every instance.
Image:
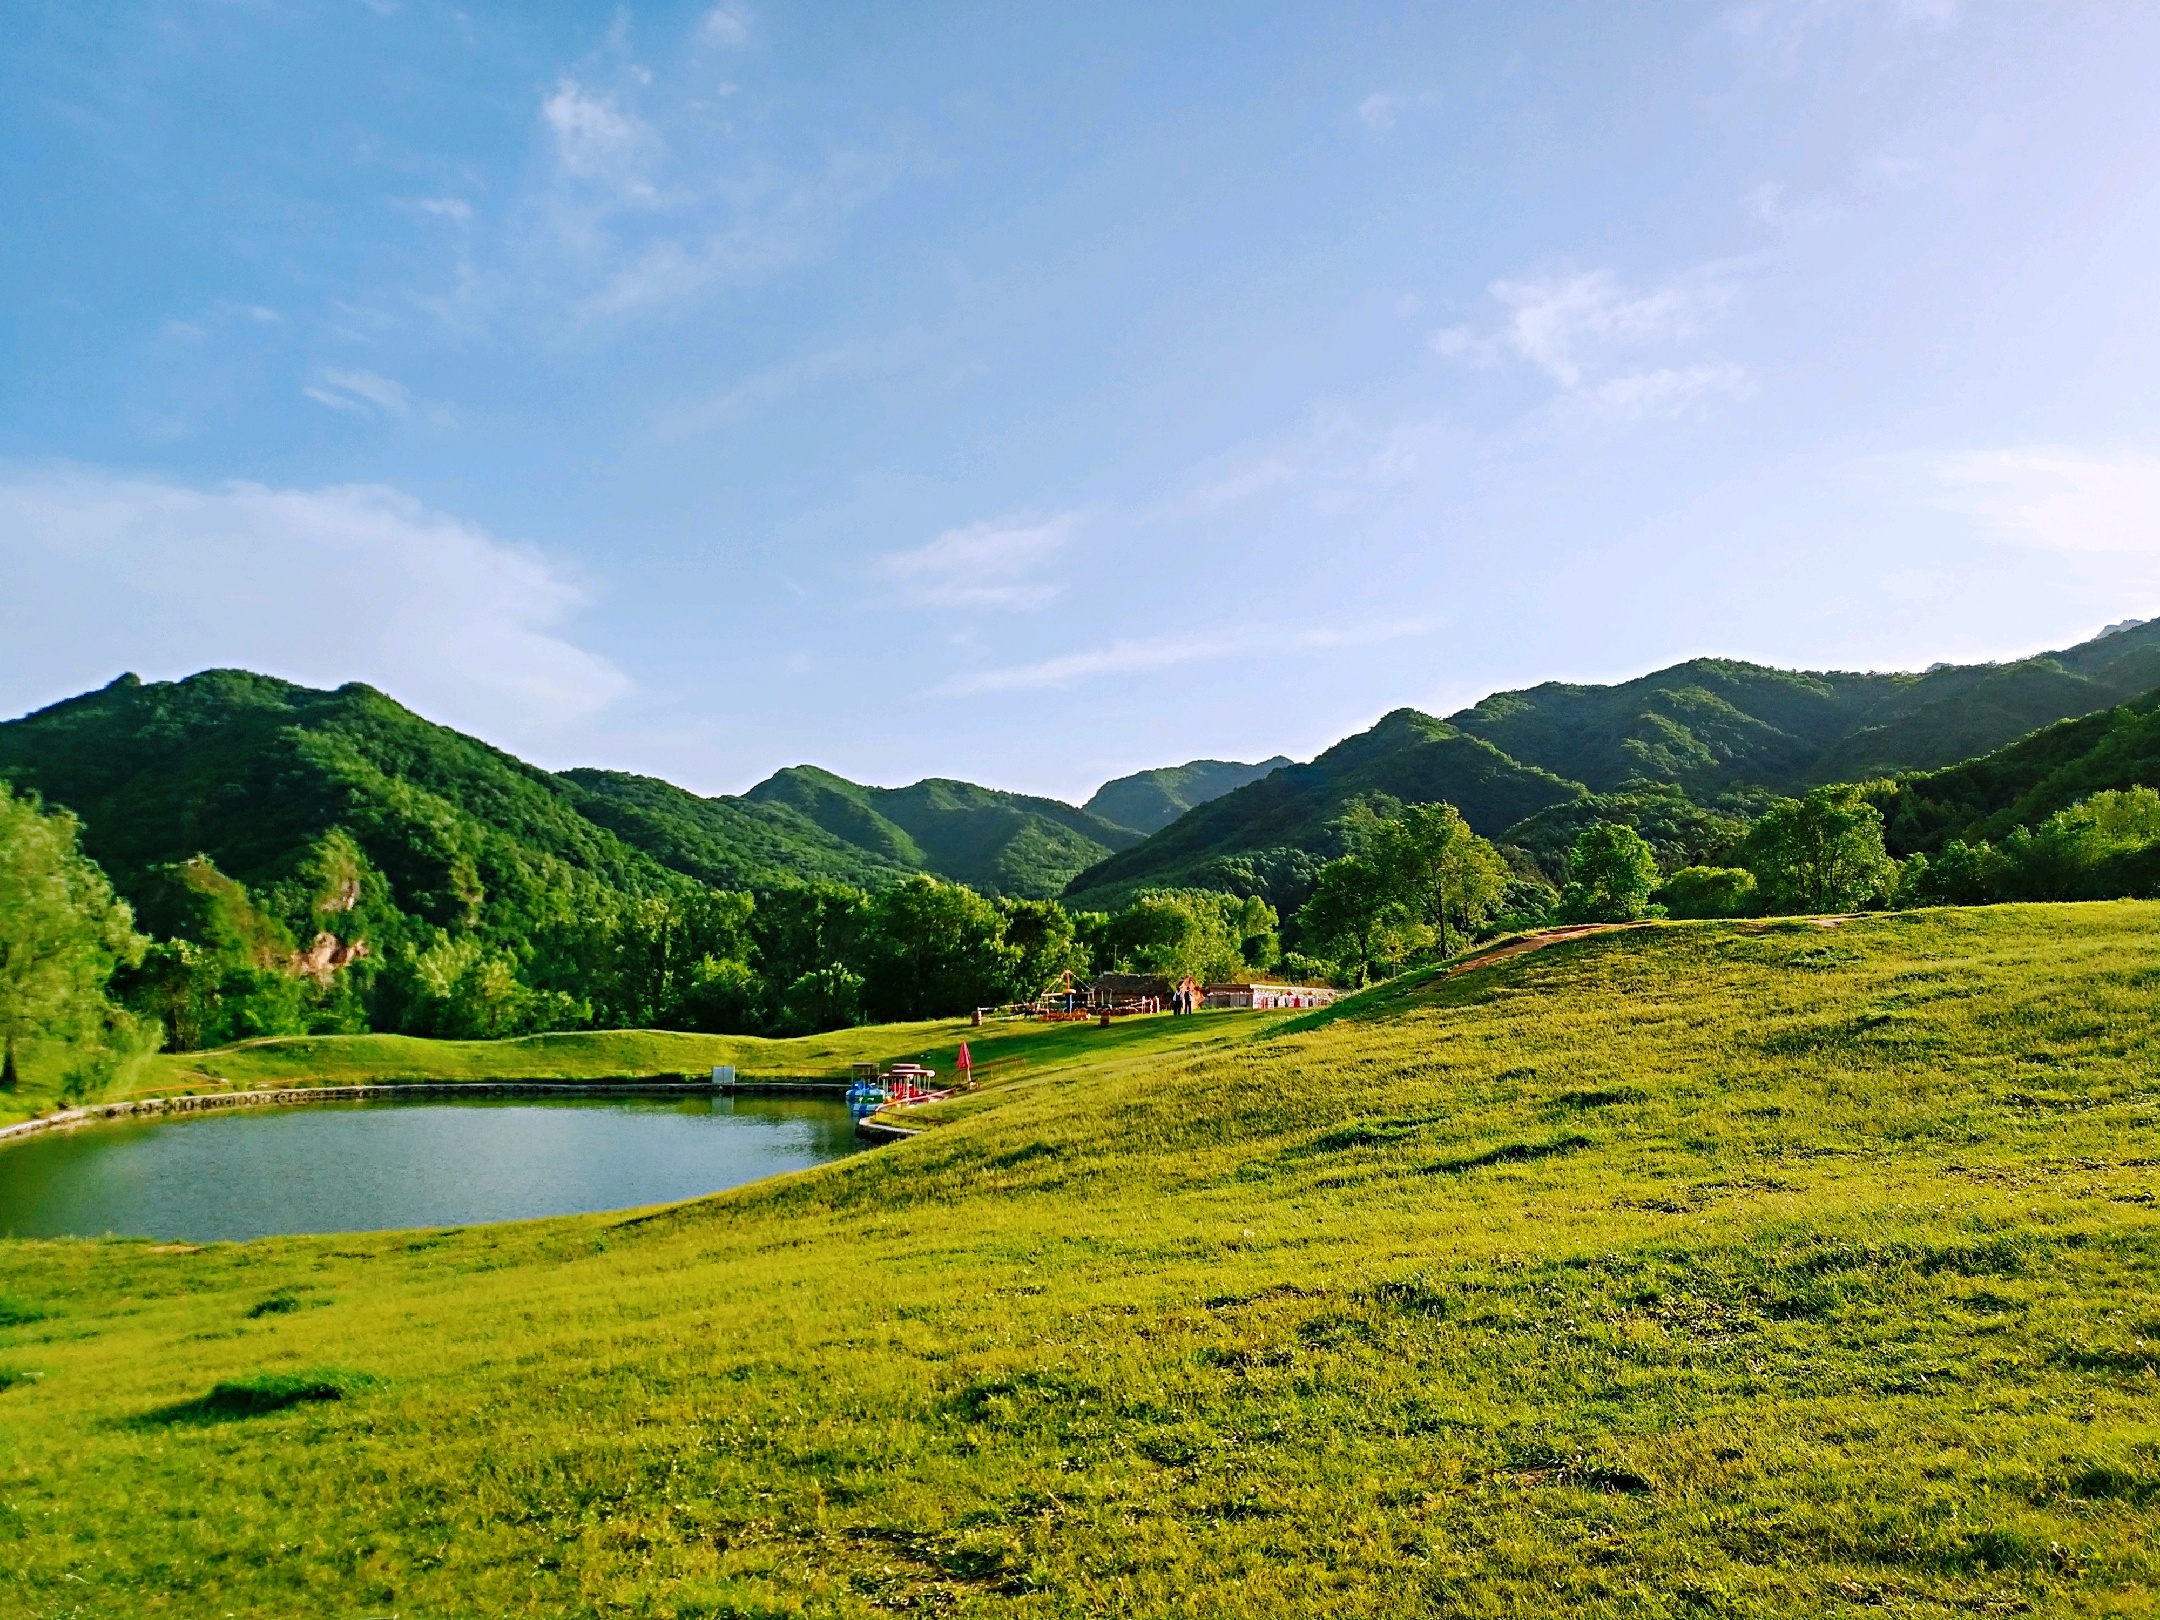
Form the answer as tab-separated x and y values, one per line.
62	932
1440	870
1611	872
1046	942
1193	932
1821	853
1709	891
933	949
1354	919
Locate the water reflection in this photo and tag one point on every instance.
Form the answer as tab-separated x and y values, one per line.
343	1167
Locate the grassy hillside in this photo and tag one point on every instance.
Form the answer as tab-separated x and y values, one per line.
999	843
1699	1269
1148	801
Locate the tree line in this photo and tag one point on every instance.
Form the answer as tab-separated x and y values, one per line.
202	961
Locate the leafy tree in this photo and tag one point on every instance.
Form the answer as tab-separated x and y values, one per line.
1176	932
931	950
1355	919
1439	869
1611	872
1047	941
62	932
825	998
801	928
1709	891
1821	853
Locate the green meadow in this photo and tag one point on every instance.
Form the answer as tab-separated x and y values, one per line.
1696	1269
1004	1050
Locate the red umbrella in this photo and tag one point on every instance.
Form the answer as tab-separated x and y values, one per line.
963	1060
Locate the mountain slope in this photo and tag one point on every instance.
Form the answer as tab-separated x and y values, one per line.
729	843
1148	801
1717	732
1713	723
257	773
1270	833
1000	843
2027	782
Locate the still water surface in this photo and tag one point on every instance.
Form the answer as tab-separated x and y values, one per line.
346	1167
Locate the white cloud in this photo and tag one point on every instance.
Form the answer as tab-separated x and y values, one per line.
2067	500
596	140
360	391
353	582
1378	111
451	208
1665	391
1576	327
725	25
1143	657
982	565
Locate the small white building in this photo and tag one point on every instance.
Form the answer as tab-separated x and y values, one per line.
1266	996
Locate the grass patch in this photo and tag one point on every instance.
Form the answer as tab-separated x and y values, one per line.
1697	1321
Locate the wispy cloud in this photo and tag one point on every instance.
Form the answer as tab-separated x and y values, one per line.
1578	328
725	25
2065	499
1141	657
363	392
596	140
982	565
322	585
1378	111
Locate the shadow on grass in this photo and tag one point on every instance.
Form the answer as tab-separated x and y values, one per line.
1512	1153
258	1396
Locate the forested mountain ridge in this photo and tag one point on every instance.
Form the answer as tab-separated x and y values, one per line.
1711	723
998	842
1685	747
1148	801
727	842
1269	836
256	772
253	772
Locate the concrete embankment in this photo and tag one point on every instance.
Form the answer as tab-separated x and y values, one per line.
290	1096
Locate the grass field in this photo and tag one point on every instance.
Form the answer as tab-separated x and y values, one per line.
1003	1050
1706	1269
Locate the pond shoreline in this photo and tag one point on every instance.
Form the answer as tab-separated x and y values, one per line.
377	1091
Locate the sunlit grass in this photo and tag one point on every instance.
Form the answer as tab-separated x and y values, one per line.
1705	1269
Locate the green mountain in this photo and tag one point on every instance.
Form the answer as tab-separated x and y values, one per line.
999	843
1269	836
1148	801
1713	723
269	779
730	843
256	773
1680	751
2025	783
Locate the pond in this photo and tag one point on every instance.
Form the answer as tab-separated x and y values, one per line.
347	1167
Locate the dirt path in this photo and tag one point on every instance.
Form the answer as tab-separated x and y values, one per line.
1533	942
1559	936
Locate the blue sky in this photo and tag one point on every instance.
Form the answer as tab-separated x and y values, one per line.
1033	394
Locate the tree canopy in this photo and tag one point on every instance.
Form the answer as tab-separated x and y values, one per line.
62	932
